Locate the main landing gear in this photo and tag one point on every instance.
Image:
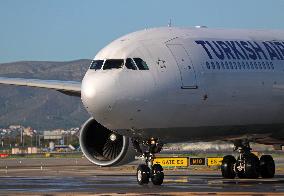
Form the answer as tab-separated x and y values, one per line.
147	171
247	165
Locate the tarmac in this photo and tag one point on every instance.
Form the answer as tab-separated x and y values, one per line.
76	176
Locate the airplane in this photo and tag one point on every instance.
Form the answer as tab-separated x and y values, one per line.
171	84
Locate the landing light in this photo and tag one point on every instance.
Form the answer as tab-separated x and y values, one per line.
112	137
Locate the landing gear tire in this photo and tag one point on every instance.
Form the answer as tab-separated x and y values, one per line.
267	166
227	167
251	166
143	173
247	165
157	174
241	174
148	149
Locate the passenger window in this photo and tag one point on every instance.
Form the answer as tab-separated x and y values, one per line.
267	64
207	65
129	64
142	65
96	64
239	65
212	65
222	65
227	66
247	64
263	65
217	65
113	64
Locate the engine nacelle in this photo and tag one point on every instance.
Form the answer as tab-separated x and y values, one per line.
103	147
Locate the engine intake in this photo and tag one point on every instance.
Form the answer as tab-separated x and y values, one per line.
104	147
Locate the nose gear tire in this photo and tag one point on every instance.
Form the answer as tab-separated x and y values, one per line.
157	174
143	173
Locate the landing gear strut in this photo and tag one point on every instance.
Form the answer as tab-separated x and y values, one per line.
148	149
247	165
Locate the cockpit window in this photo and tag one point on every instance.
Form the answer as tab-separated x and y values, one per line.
142	65
96	64
129	64
113	64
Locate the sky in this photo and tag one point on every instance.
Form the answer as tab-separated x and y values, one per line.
63	30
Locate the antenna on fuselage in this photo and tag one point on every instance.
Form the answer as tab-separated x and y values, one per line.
170	23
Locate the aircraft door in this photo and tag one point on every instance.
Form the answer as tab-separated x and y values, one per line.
187	72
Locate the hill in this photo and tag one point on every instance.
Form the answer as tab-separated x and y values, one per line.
42	108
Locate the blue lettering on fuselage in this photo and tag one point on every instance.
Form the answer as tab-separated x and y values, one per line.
244	50
280	47
203	44
220	53
257	49
226	49
276	49
250	51
271	51
235	50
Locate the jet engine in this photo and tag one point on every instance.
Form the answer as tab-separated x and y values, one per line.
104	147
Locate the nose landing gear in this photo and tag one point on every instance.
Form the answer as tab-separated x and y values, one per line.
247	165
149	170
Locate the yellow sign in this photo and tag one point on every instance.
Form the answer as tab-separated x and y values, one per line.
214	161
197	161
171	161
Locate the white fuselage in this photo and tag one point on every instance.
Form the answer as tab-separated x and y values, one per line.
201	84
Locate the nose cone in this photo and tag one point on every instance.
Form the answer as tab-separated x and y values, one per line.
97	94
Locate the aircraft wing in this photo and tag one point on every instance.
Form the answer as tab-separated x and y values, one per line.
72	88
